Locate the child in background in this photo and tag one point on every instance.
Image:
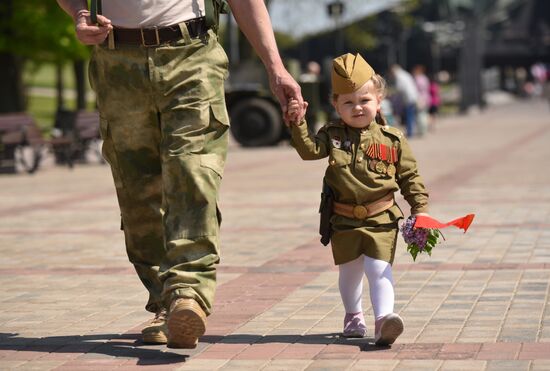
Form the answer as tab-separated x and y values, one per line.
368	162
435	101
423	101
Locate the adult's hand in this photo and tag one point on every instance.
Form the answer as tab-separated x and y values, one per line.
88	33
285	88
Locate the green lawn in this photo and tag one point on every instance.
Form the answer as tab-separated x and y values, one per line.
42	109
44	75
43	106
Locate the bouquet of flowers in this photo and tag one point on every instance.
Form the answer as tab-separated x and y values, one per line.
421	232
419	239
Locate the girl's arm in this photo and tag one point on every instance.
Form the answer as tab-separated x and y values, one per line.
409	180
309	147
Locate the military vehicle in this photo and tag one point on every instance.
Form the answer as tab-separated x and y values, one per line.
255	114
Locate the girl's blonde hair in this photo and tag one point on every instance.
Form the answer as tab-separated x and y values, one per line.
380	86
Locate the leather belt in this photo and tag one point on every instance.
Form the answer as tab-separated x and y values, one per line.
365	210
158	35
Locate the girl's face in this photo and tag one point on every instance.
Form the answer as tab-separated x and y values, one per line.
358	109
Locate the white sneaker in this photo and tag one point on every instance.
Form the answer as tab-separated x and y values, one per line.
391	326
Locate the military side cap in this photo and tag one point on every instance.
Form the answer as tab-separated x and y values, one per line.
349	73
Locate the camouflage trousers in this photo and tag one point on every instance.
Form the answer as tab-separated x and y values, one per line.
165	125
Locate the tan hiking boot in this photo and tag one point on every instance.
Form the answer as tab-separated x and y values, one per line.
388	329
186	323
155	331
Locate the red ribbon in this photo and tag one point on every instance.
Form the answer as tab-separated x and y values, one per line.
423	221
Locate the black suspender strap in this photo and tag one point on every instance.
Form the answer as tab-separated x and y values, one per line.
95	9
212	10
209	12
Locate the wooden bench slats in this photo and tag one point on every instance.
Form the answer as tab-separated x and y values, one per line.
18	129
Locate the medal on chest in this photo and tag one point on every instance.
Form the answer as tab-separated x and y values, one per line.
382	158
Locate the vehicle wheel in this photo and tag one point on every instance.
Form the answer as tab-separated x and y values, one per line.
256	122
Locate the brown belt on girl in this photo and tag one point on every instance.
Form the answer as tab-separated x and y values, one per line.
365	210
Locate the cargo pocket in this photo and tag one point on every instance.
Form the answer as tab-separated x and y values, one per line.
219	113
214	162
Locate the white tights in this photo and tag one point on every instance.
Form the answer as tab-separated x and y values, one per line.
379	275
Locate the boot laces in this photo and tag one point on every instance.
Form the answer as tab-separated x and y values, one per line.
160	317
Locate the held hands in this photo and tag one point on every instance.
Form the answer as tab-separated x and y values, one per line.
295	113
285	88
89	33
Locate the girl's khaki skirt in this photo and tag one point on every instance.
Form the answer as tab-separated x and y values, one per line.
375	237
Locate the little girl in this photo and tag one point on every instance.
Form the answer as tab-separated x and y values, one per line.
368	162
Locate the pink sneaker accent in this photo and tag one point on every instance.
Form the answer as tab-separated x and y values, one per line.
354	325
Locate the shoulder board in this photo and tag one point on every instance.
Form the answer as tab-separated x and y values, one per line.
393	131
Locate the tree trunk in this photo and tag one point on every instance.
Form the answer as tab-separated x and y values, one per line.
471	64
59	86
80	79
12	97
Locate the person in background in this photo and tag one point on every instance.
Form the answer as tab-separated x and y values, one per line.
435	101
406	87
538	71
159	73
312	72
423	102
387	111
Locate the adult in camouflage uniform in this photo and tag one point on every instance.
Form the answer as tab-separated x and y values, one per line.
159	76
368	162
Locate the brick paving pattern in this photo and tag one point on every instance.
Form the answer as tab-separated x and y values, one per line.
69	300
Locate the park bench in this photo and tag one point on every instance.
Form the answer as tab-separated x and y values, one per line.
75	134
21	143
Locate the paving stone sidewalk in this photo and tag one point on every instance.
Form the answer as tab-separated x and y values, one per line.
69	300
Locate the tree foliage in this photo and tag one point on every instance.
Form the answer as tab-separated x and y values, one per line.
38	30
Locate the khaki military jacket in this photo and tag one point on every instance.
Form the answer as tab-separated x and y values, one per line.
364	164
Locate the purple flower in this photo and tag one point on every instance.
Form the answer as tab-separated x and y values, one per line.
419	239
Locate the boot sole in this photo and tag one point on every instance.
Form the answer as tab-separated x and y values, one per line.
390	331
186	323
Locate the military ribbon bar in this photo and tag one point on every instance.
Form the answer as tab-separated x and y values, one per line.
370	151
393	155
383	152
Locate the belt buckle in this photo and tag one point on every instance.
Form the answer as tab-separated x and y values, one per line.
156	35
360	211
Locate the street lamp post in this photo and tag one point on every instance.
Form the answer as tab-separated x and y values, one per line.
336	10
471	59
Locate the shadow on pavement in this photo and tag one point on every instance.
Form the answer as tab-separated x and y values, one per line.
114	345
366	344
130	347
